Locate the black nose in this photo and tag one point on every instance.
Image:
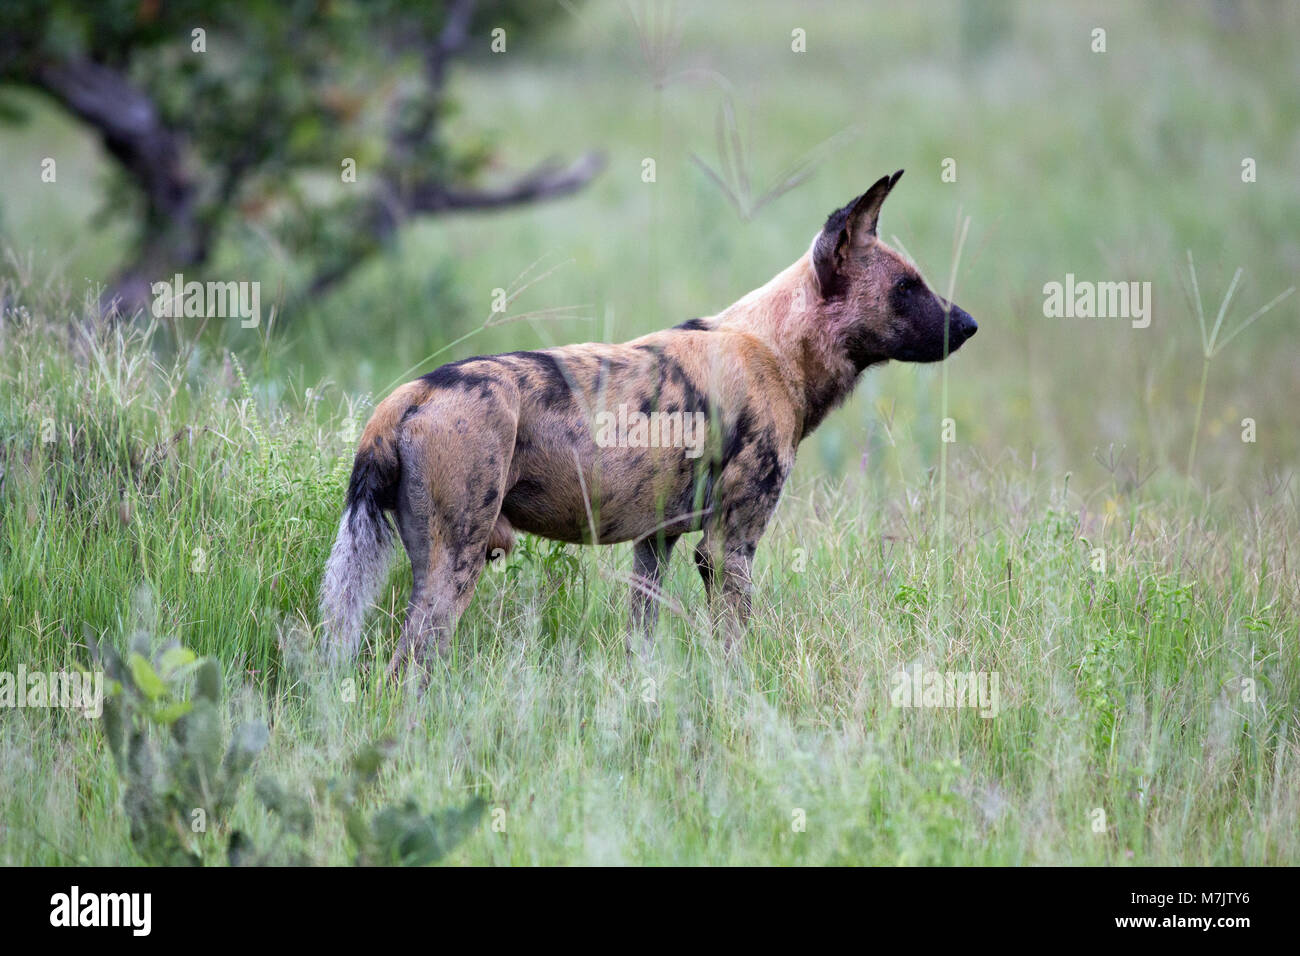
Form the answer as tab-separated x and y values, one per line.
962	323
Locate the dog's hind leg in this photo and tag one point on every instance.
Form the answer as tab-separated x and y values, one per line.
448	552
448	505
444	580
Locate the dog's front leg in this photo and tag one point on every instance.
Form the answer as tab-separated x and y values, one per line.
704	561
650	558
737	588
727	573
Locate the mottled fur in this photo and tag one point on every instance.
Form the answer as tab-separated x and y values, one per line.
479	448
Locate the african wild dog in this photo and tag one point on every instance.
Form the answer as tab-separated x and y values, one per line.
476	449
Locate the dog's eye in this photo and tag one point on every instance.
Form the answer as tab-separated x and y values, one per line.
905	283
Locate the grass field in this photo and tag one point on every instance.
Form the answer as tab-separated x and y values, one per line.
1138	603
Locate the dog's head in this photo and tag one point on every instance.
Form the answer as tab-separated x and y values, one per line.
879	306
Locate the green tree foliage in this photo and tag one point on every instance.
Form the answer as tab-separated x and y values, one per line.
248	110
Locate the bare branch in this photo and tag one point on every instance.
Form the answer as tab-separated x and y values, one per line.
546	181
387	211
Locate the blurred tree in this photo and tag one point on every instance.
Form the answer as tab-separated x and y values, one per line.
250	109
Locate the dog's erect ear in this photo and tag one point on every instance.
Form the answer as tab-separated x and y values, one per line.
855	224
866	208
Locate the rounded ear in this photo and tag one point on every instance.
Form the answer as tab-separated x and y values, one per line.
853	224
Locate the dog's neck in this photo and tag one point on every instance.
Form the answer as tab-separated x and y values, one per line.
789	316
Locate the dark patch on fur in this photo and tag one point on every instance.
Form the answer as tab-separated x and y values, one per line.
693	398
692	325
822	399
528	500
737	438
372	489
455	375
862	346
555	383
770	475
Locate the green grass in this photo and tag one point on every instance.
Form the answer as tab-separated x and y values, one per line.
193	483
1120	690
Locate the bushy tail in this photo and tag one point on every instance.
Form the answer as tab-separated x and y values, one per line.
358	564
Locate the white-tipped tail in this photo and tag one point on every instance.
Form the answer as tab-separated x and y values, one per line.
356	570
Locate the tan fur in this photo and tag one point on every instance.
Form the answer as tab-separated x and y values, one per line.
377	437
